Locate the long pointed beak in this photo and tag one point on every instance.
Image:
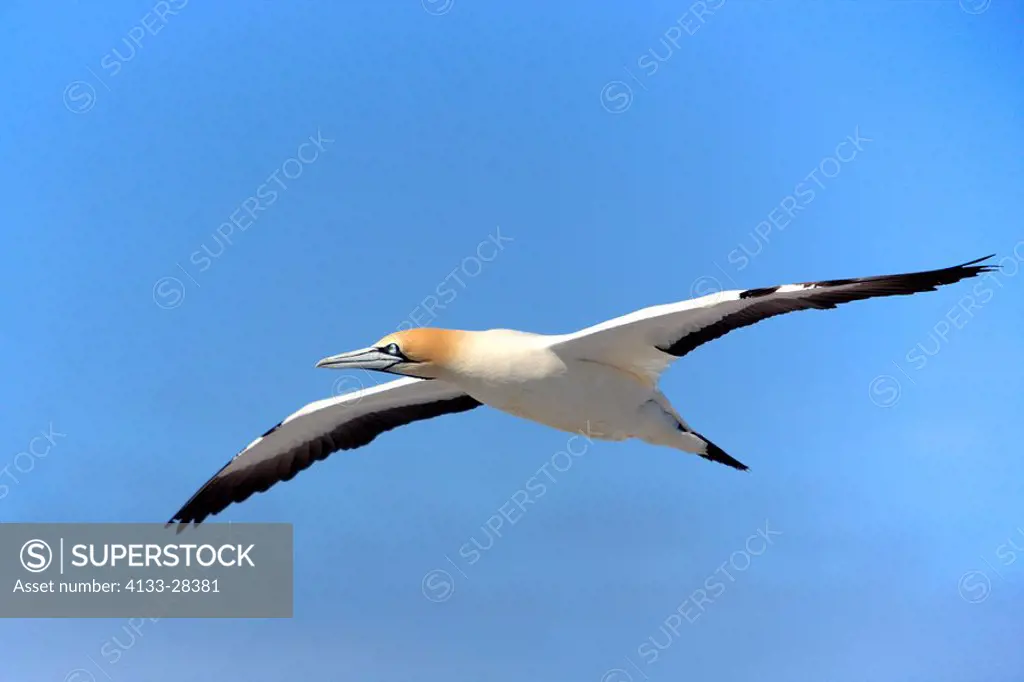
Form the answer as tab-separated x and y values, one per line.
365	358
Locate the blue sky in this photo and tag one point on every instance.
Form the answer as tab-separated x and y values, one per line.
882	437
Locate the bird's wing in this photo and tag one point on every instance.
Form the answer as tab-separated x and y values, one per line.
648	340
317	430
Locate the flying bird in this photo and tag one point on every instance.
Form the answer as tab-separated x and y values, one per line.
601	381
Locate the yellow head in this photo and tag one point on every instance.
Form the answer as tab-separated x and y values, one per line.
423	352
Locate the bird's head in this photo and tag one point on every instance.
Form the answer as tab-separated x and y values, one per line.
423	353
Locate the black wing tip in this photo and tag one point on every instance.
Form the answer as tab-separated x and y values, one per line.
183	520
975	262
973	268
978	260
195	511
926	280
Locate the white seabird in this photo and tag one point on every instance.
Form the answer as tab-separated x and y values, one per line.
601	381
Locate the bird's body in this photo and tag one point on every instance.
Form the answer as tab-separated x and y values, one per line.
520	373
601	381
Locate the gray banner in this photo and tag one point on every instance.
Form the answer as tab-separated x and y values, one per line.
112	570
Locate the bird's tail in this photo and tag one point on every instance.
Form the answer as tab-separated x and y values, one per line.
703	447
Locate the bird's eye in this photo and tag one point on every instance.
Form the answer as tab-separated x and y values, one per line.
392	349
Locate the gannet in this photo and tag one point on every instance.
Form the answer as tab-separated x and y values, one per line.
601	381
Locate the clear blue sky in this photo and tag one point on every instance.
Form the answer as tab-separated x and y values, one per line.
888	478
